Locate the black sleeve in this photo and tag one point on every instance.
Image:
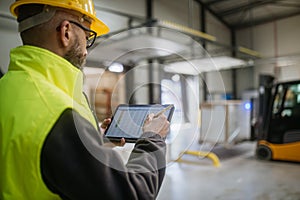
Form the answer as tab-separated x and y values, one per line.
76	165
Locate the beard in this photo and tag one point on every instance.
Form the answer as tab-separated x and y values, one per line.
75	55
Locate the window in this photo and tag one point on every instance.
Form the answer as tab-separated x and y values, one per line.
287	100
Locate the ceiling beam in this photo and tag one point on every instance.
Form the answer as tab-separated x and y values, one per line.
245	7
213	13
215	2
265	20
287	4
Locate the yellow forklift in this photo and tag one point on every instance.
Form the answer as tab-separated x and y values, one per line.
278	135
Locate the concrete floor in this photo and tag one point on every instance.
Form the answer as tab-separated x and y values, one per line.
240	176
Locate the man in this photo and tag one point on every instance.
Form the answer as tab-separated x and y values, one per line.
49	139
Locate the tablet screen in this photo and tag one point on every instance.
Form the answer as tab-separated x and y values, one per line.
128	120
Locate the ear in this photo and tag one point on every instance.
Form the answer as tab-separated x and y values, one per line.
65	33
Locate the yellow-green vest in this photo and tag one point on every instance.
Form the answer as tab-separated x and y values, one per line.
37	88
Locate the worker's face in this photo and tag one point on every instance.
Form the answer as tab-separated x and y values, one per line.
77	52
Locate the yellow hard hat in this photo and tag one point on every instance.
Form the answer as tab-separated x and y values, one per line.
85	7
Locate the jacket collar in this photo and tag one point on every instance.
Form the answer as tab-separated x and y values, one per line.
44	64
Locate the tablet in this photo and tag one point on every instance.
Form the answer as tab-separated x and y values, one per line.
128	120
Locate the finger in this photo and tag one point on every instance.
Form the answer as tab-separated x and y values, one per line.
167	126
165	129
122	142
105	123
162	117
113	144
150	116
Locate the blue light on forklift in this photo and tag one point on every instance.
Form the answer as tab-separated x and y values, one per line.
247	106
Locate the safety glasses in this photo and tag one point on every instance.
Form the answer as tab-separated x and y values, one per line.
90	39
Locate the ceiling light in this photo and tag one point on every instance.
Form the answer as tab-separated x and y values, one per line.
175	78
116	67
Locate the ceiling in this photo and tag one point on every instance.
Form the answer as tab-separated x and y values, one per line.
171	46
144	43
238	14
175	52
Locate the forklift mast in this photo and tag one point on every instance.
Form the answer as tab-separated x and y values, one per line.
265	100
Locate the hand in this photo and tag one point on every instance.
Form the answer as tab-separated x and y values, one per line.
121	143
104	125
159	125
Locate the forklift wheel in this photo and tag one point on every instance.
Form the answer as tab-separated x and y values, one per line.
263	152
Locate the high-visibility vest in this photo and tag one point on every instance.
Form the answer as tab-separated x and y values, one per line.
37	88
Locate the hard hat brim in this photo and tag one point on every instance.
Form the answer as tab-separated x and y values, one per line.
99	27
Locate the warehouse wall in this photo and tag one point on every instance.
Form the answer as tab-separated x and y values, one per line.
222	34
278	39
8	34
184	12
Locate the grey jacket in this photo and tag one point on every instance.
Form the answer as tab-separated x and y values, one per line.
76	165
